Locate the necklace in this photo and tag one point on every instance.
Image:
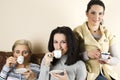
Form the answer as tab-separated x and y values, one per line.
93	30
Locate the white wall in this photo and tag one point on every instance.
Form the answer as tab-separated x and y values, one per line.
34	19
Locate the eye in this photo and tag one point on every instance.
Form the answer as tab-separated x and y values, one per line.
24	52
93	12
17	51
101	13
55	42
63	41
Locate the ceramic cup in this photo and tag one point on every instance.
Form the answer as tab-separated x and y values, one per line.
20	59
57	53
104	55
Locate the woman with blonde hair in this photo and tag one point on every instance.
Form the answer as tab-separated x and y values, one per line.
18	66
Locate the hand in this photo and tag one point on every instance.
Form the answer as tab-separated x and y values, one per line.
60	77
48	58
102	61
10	61
94	54
30	75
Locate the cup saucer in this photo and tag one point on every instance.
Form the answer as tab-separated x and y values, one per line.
21	70
61	72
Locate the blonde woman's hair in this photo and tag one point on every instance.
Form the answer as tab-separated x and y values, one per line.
23	42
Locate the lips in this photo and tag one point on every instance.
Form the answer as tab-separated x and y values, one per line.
96	21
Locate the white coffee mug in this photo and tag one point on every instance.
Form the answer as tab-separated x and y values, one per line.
57	53
20	59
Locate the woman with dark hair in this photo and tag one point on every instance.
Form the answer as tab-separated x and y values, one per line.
100	44
63	40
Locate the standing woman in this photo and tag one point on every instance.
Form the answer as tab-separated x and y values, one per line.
63	39
98	41
18	67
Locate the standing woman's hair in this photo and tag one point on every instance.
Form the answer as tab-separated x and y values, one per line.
72	53
95	2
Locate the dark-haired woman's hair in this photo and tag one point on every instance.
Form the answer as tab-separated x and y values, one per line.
95	2
72	53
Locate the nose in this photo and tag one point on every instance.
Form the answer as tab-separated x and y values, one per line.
59	46
97	16
21	54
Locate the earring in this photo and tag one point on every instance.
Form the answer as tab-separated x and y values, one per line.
102	22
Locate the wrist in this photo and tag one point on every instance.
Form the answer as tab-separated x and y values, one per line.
46	63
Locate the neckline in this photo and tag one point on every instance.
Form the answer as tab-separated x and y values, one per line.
91	29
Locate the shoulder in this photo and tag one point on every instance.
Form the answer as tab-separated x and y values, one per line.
105	29
78	28
108	32
79	64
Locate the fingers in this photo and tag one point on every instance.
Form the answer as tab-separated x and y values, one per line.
97	55
102	62
10	61
60	76
54	75
29	74
49	55
48	58
94	54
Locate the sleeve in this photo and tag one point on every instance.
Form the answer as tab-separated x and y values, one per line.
81	72
85	56
44	73
4	72
36	69
114	53
113	49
